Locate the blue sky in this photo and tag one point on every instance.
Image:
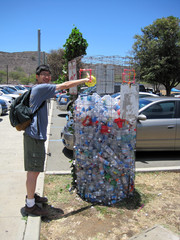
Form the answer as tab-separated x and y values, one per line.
108	25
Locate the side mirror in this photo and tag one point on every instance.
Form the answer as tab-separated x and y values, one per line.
141	117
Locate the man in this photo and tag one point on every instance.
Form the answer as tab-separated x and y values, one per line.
35	135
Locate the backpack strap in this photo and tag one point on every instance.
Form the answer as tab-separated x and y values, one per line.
42	104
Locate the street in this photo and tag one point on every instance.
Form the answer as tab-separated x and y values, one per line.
59	157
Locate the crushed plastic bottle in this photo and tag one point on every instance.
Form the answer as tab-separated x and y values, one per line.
104	150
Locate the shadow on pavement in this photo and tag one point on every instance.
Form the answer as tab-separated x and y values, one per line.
63	115
157	156
68	153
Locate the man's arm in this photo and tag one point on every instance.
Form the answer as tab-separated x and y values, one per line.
70	84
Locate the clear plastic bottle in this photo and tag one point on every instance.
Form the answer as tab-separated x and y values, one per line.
103	150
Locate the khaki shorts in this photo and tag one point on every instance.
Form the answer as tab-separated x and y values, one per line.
34	154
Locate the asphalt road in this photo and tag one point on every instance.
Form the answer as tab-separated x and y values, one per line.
59	157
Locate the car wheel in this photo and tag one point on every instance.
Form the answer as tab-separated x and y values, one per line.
70	106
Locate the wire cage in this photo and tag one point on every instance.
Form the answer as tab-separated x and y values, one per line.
105	131
108	71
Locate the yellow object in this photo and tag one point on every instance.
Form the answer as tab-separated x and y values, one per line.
92	82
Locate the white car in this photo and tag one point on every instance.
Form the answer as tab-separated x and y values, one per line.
20	88
0	109
7	100
4	91
13	90
141	95
6	96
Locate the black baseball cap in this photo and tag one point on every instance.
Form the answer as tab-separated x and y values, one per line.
41	68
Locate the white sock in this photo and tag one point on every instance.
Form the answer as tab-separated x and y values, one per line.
30	202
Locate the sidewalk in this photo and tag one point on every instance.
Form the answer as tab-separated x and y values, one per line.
13	226
12	186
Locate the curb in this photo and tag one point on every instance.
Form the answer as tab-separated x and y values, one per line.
158	169
138	170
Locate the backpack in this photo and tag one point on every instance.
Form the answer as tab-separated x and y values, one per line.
20	113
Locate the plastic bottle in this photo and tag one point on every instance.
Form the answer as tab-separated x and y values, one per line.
103	150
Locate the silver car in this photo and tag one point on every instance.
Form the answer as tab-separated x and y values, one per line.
158	125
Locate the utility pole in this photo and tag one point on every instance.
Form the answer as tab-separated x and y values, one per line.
44	58
7	74
39	47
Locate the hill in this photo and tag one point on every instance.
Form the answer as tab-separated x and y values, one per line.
28	61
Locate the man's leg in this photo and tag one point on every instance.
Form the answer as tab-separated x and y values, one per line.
31	206
31	184
34	156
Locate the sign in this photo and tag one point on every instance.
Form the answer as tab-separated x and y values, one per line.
72	75
129	103
105	79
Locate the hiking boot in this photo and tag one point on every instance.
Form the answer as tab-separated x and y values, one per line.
35	210
39	199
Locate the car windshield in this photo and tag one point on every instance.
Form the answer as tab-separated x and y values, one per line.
9	90
115	95
143	102
18	88
12	88
88	90
4	91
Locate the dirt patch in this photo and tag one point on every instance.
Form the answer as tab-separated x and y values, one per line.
156	201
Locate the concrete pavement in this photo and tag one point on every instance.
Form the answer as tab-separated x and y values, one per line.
13	226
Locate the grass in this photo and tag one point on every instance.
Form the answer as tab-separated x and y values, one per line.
156	201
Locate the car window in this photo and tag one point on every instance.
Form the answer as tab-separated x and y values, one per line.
143	102
88	90
142	88
4	91
160	110
9	90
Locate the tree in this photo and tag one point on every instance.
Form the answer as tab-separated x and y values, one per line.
75	45
26	80
17	75
56	61
3	74
157	52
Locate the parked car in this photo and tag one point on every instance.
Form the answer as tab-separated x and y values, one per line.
175	95
0	109
20	88
6	97
28	87
12	89
142	88
141	95
58	93
6	92
158	125
4	106
7	101
64	102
